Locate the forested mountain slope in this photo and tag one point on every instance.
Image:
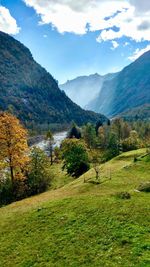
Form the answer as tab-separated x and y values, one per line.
30	92
129	89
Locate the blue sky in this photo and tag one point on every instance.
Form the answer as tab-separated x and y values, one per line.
74	38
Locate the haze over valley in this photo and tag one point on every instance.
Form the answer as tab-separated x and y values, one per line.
74	133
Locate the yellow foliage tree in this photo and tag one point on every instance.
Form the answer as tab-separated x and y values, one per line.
13	145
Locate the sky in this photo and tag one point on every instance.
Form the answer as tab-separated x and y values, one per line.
72	38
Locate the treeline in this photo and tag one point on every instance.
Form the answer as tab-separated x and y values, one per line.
110	139
26	171
96	144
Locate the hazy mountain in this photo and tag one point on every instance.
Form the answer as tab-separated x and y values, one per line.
30	92
84	89
129	89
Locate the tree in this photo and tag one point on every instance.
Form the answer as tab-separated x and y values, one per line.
98	124
50	139
102	138
74	132
39	177
89	135
95	159
75	157
112	147
131	143
13	146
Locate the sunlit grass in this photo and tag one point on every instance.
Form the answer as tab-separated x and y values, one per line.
82	224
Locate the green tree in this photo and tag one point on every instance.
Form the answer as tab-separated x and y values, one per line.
74	132
39	176
89	135
112	147
75	157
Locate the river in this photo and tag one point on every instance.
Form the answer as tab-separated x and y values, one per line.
58	138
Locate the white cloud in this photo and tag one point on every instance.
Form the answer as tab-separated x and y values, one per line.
131	17
114	45
7	23
45	35
139	52
73	16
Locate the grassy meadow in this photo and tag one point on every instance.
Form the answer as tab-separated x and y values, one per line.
81	223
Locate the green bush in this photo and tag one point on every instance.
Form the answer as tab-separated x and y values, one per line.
6	192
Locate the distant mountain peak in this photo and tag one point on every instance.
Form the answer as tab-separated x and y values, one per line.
30	92
130	88
84	89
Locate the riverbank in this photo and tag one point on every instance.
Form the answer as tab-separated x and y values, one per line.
40	141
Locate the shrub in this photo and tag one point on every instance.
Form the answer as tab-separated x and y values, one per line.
123	195
144	187
6	192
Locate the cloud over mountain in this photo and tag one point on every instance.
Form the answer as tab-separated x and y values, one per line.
132	18
7	23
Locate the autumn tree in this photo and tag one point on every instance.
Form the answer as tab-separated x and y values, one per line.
13	145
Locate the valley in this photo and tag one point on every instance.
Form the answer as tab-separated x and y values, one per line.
74	133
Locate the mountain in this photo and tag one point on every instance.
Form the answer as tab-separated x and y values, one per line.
129	89
84	89
138	113
31	93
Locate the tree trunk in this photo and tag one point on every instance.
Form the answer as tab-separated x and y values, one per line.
12	174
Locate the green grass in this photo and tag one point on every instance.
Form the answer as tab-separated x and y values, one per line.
82	224
59	177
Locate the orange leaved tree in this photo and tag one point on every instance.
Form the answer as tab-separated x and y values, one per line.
13	145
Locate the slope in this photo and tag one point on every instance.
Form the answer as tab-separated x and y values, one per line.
129	89
138	113
30	92
81	224
84	89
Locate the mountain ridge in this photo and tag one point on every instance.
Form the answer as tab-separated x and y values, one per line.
81	86
30	92
129	89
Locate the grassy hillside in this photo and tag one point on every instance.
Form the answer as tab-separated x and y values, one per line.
82	224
